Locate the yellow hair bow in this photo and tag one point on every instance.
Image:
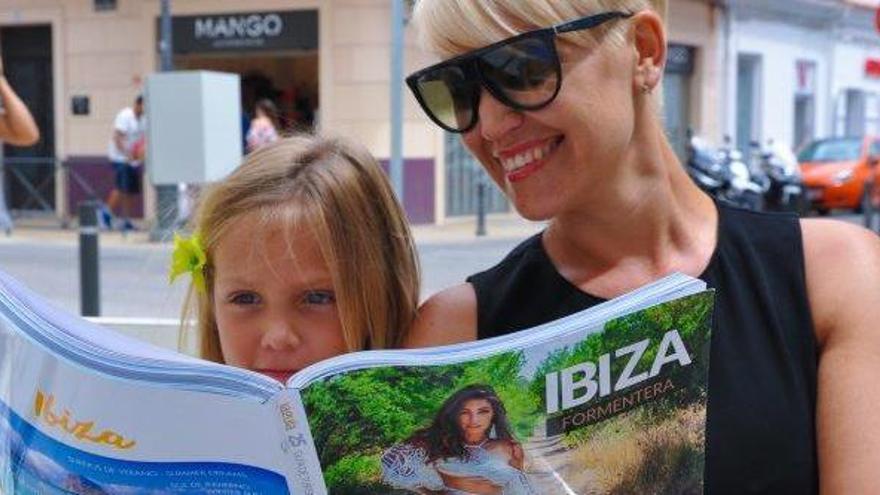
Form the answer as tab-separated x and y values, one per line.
189	257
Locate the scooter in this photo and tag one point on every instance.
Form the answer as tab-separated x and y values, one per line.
786	191
723	173
705	167
747	185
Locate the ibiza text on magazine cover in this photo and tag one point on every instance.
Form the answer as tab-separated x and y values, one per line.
577	391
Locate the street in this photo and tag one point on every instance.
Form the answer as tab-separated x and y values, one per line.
134	280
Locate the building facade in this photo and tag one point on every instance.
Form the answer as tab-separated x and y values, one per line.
801	69
750	69
78	62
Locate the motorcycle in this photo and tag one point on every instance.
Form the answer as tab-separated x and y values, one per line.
786	190
723	174
747	184
705	167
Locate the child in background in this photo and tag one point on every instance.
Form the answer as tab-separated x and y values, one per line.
265	127
301	254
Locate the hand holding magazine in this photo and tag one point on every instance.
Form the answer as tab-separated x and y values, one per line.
612	399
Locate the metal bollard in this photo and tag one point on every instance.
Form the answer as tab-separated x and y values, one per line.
481	207
89	280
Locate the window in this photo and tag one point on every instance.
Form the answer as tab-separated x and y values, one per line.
101	5
804	102
832	150
748	100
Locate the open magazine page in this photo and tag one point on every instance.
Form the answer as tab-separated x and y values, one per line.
618	408
65	429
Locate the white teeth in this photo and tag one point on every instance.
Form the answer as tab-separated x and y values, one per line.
528	156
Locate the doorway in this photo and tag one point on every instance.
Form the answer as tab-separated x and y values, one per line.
748	98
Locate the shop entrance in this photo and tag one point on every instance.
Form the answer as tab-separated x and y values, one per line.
275	53
289	80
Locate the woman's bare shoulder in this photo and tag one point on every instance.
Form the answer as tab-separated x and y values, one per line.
843	274
448	317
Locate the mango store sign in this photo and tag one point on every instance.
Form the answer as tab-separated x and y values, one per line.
247	31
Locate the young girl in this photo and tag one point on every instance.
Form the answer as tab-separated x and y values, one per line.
265	126
301	254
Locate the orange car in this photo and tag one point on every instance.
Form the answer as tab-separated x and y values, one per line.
840	172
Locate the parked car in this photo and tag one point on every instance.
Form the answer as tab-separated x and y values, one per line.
836	172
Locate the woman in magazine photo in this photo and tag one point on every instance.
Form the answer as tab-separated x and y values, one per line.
560	102
467	449
299	255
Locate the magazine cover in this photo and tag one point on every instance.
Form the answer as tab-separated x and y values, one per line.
612	410
65	430
608	400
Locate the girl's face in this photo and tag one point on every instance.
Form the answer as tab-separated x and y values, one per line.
475	418
555	159
274	302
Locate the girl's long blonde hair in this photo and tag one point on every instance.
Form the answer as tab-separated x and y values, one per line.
337	189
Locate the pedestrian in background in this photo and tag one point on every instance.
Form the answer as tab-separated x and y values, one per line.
126	154
17	126
265	126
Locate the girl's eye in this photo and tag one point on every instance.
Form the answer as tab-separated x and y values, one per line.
244	298
319	297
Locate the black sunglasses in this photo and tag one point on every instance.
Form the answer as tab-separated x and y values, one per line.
522	72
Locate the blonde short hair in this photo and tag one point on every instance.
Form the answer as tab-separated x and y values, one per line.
337	189
451	27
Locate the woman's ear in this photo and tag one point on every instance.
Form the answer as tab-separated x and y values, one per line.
650	44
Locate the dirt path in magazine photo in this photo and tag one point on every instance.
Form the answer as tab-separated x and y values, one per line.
550	466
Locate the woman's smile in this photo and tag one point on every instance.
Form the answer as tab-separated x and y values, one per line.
521	161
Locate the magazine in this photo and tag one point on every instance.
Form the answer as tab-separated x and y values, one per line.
608	400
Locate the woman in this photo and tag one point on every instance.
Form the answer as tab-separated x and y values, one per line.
467	449
265	125
566	121
17	126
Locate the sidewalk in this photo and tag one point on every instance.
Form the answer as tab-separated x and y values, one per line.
453	230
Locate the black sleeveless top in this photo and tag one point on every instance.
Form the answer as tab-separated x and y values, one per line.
760	426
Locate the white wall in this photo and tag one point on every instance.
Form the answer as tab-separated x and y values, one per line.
780	47
849	73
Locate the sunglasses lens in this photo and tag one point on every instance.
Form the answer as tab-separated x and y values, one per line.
525	71
449	97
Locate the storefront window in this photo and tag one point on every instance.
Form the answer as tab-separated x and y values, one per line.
276	53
